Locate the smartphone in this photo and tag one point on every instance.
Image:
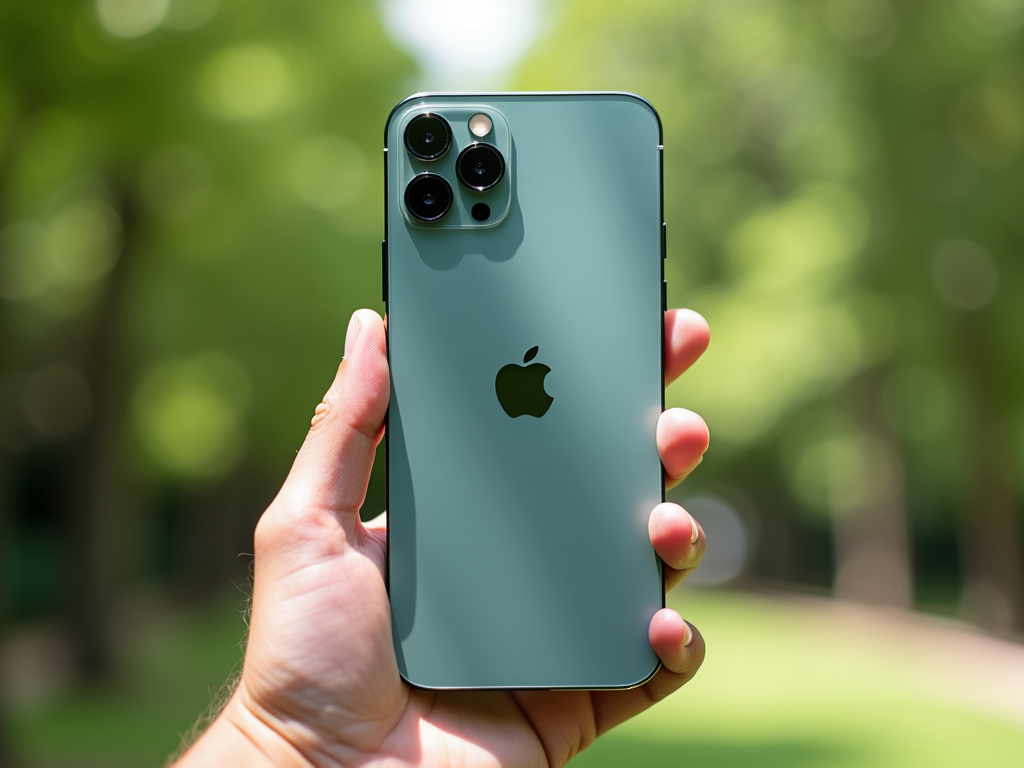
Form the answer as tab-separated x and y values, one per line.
524	285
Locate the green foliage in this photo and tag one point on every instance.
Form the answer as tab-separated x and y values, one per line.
842	190
223	155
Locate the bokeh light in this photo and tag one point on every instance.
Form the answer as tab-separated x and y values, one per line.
728	537
131	18
75	245
996	17
964	275
185	15
868	27
84	240
841	473
248	82
188	414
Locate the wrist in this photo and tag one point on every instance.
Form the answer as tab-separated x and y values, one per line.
241	737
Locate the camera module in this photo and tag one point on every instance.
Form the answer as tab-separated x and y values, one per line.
428	136
428	197
480	167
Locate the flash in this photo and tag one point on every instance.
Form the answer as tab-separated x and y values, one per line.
480	125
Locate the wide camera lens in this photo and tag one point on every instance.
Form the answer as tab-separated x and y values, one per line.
428	197
480	167
428	136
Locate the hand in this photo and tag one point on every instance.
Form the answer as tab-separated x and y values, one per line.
320	684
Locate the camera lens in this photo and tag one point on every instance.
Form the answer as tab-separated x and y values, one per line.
480	167
428	197
428	136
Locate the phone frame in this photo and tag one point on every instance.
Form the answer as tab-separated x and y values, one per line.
385	295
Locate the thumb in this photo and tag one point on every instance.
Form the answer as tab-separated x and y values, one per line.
332	468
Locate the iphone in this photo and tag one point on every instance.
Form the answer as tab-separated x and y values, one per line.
524	284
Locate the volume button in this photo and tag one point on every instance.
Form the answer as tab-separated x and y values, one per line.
664	240
664	295
384	270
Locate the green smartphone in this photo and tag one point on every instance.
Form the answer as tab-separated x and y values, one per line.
524	283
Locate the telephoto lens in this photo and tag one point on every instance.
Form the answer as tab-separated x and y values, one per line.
428	136
428	197
480	167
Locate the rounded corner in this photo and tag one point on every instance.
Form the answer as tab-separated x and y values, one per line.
641	101
409	682
644	680
394	111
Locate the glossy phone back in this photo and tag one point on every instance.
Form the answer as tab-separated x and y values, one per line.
519	555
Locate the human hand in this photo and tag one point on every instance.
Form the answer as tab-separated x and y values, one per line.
320	683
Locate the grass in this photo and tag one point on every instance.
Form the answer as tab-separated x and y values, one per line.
794	684
168	676
787	684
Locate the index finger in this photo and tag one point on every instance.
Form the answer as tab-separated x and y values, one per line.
686	337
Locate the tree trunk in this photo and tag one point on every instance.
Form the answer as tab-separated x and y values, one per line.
993	593
872	540
6	760
93	498
6	472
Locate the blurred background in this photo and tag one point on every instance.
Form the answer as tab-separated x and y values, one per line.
190	208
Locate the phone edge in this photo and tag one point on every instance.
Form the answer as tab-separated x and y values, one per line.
386	294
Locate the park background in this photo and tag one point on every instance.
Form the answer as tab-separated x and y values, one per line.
190	209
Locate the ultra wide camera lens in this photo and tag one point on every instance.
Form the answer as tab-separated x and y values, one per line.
480	167
428	136
428	197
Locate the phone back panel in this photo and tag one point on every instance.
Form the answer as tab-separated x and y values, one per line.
519	554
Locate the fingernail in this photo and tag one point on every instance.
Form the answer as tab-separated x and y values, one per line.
694	530
687	634
352	334
319	414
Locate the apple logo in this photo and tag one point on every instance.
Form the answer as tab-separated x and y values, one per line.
520	388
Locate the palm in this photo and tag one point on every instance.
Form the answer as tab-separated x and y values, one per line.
351	650
320	661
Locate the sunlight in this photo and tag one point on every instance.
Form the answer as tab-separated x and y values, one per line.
462	44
